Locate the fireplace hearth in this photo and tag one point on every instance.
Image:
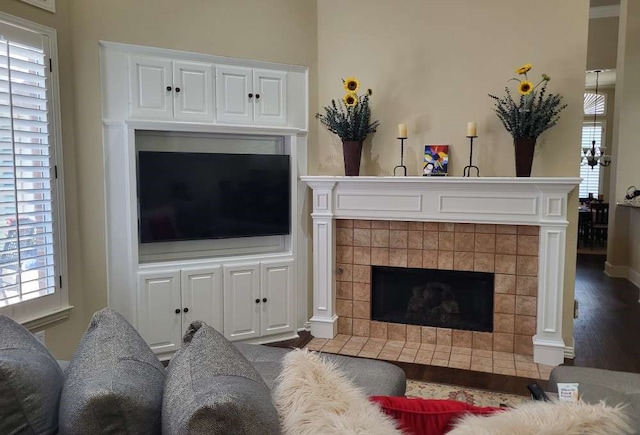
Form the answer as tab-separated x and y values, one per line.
429	297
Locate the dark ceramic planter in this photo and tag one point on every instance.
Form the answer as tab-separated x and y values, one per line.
352	152
524	148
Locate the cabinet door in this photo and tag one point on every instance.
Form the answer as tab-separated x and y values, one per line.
234	95
270	106
149	78
193	91
242	303
202	296
158	300
276	283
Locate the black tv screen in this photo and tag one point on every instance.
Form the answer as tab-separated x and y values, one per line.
193	196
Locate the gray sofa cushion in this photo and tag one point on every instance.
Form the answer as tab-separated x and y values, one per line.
114	381
374	377
212	389
30	382
597	385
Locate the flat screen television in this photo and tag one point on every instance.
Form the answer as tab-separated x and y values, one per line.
194	196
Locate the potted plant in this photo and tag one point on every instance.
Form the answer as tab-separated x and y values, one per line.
526	118
350	119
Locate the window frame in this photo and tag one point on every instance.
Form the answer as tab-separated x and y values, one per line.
603	129
44	310
601	119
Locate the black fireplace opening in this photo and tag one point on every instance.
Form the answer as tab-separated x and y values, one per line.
429	297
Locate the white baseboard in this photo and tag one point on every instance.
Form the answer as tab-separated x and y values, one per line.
634	277
615	271
569	352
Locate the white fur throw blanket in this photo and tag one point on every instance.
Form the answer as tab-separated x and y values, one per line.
313	397
548	418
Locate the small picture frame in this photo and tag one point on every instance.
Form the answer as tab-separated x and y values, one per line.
436	160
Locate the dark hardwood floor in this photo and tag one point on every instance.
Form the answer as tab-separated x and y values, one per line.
608	320
305	337
604	333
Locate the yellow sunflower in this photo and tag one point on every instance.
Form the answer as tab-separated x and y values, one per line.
524	69
351	84
525	87
350	99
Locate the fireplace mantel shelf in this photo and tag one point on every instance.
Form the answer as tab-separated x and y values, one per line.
499	200
539	201
568	181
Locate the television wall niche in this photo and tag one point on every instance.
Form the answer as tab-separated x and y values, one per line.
203	195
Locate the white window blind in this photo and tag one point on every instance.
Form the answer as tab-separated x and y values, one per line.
27	165
590	177
594	104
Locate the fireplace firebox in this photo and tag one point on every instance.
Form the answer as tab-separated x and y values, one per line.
441	298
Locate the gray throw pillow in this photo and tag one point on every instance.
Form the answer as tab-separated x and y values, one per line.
30	382
212	389
114	381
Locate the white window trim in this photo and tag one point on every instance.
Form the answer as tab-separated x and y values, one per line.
43	311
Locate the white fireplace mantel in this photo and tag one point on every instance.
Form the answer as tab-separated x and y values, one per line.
491	200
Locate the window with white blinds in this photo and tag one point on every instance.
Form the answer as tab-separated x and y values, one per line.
590	176
594	104
29	214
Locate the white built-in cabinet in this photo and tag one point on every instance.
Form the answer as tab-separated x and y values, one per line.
166	89
250	289
251	96
169	300
258	299
243	301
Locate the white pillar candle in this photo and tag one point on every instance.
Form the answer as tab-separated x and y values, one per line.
471	129
402	130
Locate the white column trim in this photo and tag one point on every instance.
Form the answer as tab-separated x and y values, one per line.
324	323
548	344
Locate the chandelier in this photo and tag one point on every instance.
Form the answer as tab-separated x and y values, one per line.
593	155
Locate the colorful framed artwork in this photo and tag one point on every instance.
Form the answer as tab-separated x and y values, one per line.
436	160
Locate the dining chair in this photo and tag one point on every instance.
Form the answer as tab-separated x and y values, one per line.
584	226
599	226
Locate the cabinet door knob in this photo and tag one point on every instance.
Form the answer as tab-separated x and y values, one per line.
264	299
257	96
169	88
177	310
177	89
250	95
257	301
186	310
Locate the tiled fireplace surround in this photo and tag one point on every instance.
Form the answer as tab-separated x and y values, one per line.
509	251
515	227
